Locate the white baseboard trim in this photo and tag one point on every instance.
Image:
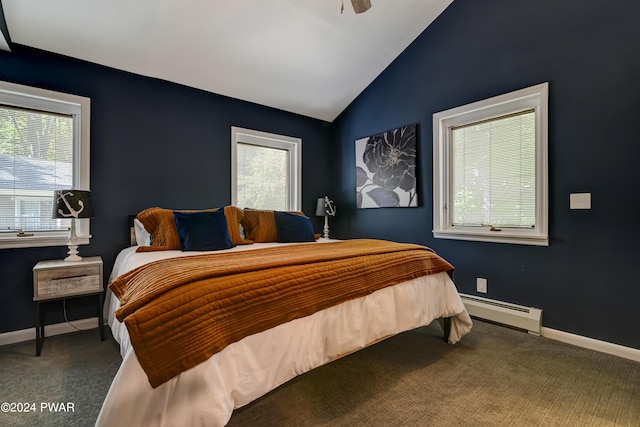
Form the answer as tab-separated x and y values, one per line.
49	331
592	344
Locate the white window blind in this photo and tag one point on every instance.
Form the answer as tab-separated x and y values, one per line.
36	157
494	172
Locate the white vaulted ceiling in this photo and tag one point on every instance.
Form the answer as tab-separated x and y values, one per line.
301	56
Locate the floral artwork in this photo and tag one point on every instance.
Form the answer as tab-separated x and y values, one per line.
386	169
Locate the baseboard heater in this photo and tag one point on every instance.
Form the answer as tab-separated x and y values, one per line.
517	316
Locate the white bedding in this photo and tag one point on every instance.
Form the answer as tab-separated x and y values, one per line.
207	394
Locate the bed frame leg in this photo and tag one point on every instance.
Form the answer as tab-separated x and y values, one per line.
446	326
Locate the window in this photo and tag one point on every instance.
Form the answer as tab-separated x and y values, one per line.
44	146
266	170
490	169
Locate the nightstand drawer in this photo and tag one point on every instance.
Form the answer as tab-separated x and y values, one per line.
62	281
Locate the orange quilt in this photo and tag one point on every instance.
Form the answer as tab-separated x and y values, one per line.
181	311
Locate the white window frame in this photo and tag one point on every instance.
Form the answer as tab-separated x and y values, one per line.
264	139
532	98
79	108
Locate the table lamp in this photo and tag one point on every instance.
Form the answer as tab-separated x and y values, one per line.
326	208
72	204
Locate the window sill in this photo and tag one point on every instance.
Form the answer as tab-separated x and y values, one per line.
40	241
494	237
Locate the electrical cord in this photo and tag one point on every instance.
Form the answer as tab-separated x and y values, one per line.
64	310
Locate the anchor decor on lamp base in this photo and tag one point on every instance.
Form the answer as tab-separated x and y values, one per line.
72	204
326	208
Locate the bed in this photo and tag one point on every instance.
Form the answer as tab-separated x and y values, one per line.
205	389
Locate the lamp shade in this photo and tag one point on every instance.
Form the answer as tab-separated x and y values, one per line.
72	204
325	207
321	208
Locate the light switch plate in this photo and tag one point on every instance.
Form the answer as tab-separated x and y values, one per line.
481	285
580	201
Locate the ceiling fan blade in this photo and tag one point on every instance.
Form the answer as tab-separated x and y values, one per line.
360	6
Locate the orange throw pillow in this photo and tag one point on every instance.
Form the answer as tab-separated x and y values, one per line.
260	225
160	223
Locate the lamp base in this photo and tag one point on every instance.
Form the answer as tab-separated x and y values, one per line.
73	244
326	227
73	254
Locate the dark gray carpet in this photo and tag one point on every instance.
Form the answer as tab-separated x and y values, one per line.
74	368
494	377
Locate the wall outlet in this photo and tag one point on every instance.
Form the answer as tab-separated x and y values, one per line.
481	285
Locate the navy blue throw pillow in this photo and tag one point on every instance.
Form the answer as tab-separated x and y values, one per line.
293	227
203	231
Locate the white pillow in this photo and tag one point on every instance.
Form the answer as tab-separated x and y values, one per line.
143	238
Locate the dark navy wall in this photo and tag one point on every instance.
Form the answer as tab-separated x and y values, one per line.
157	143
589	51
153	143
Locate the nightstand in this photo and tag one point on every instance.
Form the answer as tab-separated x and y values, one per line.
59	279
